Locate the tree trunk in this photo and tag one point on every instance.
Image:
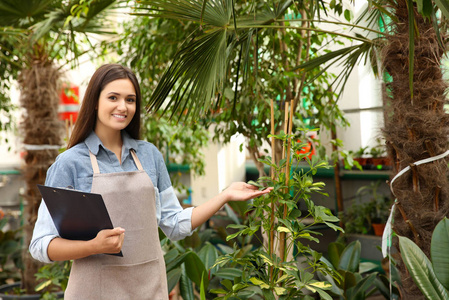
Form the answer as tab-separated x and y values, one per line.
416	128
40	127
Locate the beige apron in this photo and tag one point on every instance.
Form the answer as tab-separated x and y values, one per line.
140	273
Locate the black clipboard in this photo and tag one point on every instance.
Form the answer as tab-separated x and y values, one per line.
77	215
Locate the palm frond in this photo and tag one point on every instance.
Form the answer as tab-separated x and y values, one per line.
19	13
197	70
215	12
347	58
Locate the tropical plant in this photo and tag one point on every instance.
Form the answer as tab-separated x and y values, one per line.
431	276
53	278
50	35
269	271
189	262
369	206
357	279
10	251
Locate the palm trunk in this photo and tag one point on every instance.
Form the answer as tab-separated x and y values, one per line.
416	128
40	99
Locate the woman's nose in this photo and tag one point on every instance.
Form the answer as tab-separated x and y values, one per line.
121	105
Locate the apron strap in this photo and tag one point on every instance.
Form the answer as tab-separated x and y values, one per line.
136	160
94	162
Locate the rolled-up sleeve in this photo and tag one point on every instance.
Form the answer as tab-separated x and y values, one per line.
58	175
44	232
174	221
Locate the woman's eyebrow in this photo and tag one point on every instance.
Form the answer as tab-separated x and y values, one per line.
115	93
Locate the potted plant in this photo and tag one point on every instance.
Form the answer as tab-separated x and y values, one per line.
360	156
10	251
367	216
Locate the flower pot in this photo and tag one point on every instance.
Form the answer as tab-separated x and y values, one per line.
6	289
378	228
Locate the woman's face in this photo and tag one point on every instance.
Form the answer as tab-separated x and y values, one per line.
116	106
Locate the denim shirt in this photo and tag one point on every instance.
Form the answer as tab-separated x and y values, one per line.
73	168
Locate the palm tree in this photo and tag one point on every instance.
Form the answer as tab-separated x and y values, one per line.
51	32
416	123
237	55
416	127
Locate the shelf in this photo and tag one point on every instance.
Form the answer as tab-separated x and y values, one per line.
10	172
251	170
172	167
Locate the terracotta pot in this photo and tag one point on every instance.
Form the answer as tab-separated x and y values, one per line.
378	229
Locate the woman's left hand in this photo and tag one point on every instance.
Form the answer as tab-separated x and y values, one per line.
241	191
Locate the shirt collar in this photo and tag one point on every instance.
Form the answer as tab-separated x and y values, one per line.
128	142
93	142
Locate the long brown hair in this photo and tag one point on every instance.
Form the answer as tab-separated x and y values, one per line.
88	113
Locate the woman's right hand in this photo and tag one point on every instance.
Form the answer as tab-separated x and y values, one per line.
109	240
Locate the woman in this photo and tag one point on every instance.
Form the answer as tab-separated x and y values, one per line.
105	156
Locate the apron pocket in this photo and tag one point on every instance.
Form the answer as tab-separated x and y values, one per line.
136	281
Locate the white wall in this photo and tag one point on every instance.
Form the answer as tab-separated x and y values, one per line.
224	164
361	94
10	151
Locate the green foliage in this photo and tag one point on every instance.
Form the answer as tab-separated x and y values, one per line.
431	276
53	278
189	262
355	280
261	273
180	144
10	252
229	43
359	217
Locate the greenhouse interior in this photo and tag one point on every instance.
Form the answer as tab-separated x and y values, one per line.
127	171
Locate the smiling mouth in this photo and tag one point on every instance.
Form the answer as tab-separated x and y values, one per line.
119	116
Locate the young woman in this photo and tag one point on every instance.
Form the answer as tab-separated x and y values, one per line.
105	156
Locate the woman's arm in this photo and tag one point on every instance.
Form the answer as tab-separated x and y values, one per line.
106	241
237	191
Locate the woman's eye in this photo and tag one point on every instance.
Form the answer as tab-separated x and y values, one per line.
131	100
112	97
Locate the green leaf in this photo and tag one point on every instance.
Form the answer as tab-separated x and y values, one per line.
42	285
208	255
195	269
259	282
283	229
173	277
439	252
202	289
229	273
280	290
185	285
421	270
362	287
350	258
323	294
365	267
334	251
171	255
